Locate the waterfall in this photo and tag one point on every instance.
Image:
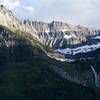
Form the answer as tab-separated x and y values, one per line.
96	77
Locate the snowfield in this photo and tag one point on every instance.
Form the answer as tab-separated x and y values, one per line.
82	49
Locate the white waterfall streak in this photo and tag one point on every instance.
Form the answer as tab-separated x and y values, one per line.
96	76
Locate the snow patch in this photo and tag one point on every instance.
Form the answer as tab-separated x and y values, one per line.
61	59
82	49
97	37
67	36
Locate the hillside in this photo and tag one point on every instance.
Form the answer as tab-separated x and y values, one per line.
35	80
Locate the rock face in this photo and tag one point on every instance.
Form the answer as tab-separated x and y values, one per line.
8	20
6	39
61	35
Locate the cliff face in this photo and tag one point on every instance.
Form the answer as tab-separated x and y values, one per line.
62	35
8	20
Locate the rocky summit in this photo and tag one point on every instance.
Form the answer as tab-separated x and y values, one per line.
61	35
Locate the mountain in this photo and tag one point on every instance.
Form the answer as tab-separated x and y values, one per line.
28	69
66	38
61	35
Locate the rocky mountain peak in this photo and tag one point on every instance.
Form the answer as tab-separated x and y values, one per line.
61	35
3	8
8	20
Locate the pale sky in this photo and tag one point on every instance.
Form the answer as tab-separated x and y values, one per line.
83	12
